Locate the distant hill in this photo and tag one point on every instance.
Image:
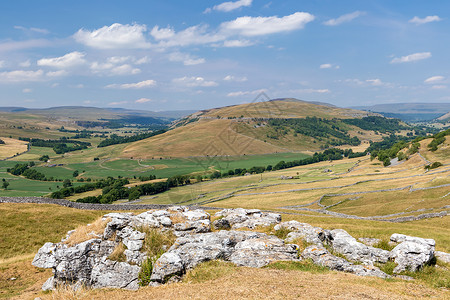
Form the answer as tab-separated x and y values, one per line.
409	112
280	125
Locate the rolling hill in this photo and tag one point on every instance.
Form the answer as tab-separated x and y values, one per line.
280	125
410	112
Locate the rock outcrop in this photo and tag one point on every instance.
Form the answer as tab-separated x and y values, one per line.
243	248
412	253
245	218
320	256
94	262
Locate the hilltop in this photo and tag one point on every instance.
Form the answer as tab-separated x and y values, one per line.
280	125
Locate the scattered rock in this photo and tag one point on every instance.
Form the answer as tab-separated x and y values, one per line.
399	238
445	257
247	218
310	234
320	256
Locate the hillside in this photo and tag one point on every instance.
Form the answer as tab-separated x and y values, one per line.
282	125
409	112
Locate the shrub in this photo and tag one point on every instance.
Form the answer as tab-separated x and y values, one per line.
146	272
156	242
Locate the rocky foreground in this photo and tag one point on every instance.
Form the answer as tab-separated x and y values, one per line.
91	262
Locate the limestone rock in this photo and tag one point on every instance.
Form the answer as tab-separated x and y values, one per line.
114	274
399	238
345	244
49	284
248	218
320	256
369	241
304	231
244	248
45	258
411	256
445	257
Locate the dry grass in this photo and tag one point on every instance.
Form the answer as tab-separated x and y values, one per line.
86	232
12	147
118	253
268	283
177	218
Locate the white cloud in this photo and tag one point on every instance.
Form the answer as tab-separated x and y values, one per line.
25	64
137	85
234	78
27	44
2	63
434	79
57	73
185	58
418	21
245	93
194	82
69	60
237	43
310	91
194	35
117	103
116	36
411	57
325	66
21	76
230	6
143	100
33	29
119	59
255	26
344	18
142	60
27	90
375	82
439	87
124	70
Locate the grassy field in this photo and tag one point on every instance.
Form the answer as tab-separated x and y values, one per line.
12	147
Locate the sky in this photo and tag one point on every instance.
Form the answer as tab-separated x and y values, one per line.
197	54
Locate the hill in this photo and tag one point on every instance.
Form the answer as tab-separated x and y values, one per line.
281	125
409	112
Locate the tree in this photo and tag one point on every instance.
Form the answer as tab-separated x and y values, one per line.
67	183
5	184
75	173
44	158
1	142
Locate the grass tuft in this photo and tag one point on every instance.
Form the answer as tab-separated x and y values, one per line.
384	244
282	233
86	232
118	253
156	242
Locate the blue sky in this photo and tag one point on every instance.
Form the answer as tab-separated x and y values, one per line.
167	55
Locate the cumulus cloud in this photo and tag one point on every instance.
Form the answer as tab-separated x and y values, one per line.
27	90
246	93
125	69
256	26
230	6
187	59
234	78
411	57
25	64
419	21
344	18
237	43
194	35
194	82
143	100
57	73
137	85
21	76
117	103
69	60
116	36
434	79
328	66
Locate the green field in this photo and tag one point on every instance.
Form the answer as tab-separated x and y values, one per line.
126	168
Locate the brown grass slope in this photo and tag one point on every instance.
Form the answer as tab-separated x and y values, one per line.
231	131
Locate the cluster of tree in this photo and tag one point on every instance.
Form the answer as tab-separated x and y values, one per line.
315	127
434	165
60	146
380	124
69	190
438	139
115	139
44	158
27	171
385	155
147	178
